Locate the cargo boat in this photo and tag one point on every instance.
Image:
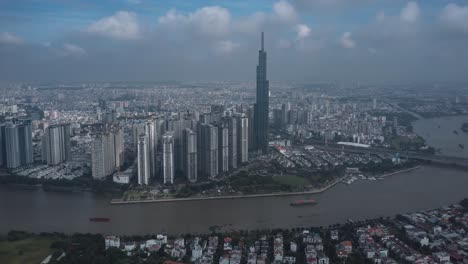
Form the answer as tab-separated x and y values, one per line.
303	202
99	219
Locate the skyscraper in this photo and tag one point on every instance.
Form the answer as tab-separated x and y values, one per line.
208	150
223	147
2	145
103	155
119	147
232	132
190	155
152	133
144	169
17	141
56	144
168	158
262	102
242	138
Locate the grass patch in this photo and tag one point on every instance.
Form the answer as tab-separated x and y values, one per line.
291	180
29	250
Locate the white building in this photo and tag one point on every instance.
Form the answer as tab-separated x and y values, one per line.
112	241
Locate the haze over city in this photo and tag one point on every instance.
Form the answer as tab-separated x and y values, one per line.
233	132
312	40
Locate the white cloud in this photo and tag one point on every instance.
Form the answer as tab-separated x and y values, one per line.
284	10
320	4
8	38
73	50
121	25
410	13
303	31
209	20
251	24
347	41
455	17
226	46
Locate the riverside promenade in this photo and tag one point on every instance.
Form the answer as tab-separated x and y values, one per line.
247	196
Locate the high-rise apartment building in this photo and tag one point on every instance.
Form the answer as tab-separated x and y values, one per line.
16	144
190	155
144	169
242	138
208	150
103	154
223	146
168	158
56	144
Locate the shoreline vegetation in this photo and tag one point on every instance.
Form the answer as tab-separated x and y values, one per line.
275	194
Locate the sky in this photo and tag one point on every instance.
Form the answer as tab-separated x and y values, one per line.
207	40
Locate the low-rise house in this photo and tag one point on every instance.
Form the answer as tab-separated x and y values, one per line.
334	235
112	241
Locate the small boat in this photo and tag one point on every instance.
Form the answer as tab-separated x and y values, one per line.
99	219
455	132
303	202
461	146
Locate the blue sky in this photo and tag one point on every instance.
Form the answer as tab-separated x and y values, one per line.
46	20
308	39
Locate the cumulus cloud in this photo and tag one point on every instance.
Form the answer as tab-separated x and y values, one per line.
284	10
327	4
251	24
121	25
303	31
226	46
8	38
410	13
455	17
347	41
73	50
210	21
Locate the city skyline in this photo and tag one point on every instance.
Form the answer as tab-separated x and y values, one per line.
314	40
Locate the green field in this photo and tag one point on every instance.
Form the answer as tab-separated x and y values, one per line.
291	180
30	250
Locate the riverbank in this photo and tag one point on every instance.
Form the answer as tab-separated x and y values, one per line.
400	171
315	191
278	194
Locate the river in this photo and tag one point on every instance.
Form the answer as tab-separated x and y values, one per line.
439	133
425	188
421	189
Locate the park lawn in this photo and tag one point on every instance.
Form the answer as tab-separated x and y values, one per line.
30	250
291	180
399	141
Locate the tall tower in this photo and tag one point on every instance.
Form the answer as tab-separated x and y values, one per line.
223	147
144	169
262	102
242	139
168	158
189	143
